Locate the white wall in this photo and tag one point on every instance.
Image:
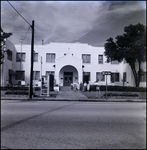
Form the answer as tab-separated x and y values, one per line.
7	64
73	57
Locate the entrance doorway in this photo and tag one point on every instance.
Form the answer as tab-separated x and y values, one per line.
86	77
68	78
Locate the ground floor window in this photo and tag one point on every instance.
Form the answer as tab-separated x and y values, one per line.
50	72
52	81
36	75
124	76
20	75
114	77
86	77
100	76
143	77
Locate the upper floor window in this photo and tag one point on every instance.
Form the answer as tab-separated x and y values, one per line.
143	77
100	76
20	57
20	75
35	57
114	77
9	54
86	58
114	62
50	57
36	75
100	59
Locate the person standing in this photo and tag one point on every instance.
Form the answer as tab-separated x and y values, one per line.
85	86
88	86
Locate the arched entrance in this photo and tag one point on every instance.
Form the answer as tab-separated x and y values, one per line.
67	75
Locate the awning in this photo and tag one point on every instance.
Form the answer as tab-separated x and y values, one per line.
11	71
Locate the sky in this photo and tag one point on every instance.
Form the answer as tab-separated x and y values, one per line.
91	22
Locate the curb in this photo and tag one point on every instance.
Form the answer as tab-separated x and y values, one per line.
72	99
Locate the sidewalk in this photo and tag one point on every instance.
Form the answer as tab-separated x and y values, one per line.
69	96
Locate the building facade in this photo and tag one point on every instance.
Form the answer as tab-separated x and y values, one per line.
67	62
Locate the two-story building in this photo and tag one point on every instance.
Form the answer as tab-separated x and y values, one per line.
67	62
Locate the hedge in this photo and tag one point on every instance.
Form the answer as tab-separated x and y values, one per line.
21	88
118	88
20	92
15	88
122	94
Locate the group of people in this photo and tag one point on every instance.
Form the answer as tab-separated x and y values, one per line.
84	87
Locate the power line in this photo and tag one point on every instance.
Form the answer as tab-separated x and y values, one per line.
25	35
37	45
19	13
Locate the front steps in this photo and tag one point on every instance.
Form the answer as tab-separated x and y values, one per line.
65	88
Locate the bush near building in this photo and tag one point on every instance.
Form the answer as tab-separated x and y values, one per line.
92	88
122	94
118	88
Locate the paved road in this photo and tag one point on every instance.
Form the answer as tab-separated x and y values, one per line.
76	125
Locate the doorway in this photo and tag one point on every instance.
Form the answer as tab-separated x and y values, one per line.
68	78
86	77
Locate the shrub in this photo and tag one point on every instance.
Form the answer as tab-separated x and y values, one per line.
122	94
118	88
20	92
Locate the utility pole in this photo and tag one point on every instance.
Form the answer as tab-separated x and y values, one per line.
21	53
31	71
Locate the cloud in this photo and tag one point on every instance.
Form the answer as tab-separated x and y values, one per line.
66	21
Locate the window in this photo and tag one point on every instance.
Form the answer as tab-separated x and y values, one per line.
114	62
50	57
86	77
9	54
100	59
100	76
52	82
86	58
50	72
124	76
35	57
20	57
143	77
36	75
114	77
20	75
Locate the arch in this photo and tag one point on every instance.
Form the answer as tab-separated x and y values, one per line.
68	74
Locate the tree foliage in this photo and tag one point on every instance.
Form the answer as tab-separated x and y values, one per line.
4	36
130	46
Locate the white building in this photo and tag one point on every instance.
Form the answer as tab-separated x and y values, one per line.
68	62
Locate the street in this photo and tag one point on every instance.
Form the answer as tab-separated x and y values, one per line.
72	125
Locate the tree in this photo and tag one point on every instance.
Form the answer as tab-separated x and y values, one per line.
130	46
4	36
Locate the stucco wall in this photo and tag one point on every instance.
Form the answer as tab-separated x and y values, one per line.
7	64
67	54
